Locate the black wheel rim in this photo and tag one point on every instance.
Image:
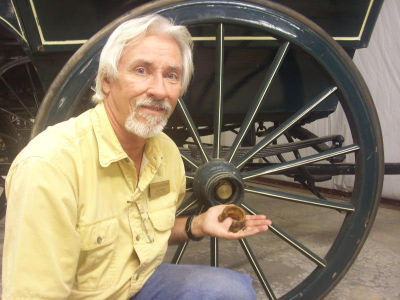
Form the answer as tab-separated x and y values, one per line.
290	30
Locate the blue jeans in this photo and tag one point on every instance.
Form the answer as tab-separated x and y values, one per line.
184	282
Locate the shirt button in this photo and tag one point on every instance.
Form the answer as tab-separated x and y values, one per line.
138	238
99	240
127	160
136	277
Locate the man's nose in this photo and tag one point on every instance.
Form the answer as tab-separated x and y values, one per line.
157	89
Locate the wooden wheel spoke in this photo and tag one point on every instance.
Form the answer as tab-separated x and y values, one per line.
214	251
300	162
34	91
251	113
179	253
301	199
189	176
218	111
20	101
193	130
291	241
190	202
190	161
257	269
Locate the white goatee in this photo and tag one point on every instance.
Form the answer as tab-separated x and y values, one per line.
153	125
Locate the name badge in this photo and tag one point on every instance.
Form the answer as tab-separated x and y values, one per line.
158	189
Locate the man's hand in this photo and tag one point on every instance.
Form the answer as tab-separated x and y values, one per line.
207	224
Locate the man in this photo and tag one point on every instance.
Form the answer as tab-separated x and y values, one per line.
92	201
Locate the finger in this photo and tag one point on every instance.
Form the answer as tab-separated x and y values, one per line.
250	221
247	232
259	228
243	234
256	217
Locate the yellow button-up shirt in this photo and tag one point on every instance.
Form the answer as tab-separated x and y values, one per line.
79	223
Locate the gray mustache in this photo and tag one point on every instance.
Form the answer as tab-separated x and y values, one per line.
161	105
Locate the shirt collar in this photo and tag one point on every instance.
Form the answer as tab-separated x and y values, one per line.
110	149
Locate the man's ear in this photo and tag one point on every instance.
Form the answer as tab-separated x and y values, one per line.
105	83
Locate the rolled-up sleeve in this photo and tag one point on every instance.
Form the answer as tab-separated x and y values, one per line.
41	246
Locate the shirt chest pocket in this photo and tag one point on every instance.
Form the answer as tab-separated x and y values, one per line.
162	211
98	244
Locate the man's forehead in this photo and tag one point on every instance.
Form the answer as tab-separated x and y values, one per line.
149	62
153	43
153	38
153	52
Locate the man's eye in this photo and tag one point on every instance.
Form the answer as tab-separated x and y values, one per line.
140	70
172	76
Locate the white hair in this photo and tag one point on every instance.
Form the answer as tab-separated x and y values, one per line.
132	31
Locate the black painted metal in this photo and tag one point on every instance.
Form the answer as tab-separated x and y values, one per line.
392	168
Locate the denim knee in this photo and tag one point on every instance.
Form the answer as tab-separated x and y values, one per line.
193	282
218	284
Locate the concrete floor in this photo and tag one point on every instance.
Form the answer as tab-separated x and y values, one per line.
374	275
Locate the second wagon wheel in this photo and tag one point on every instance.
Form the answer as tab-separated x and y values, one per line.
251	59
20	94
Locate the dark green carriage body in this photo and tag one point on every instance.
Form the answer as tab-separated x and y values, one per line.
55	29
64	25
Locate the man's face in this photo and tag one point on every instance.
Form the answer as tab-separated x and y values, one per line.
147	87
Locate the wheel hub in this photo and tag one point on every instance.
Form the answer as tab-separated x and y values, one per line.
218	182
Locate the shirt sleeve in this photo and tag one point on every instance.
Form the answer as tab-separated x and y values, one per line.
41	246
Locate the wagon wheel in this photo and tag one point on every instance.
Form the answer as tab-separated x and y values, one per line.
225	172
20	96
